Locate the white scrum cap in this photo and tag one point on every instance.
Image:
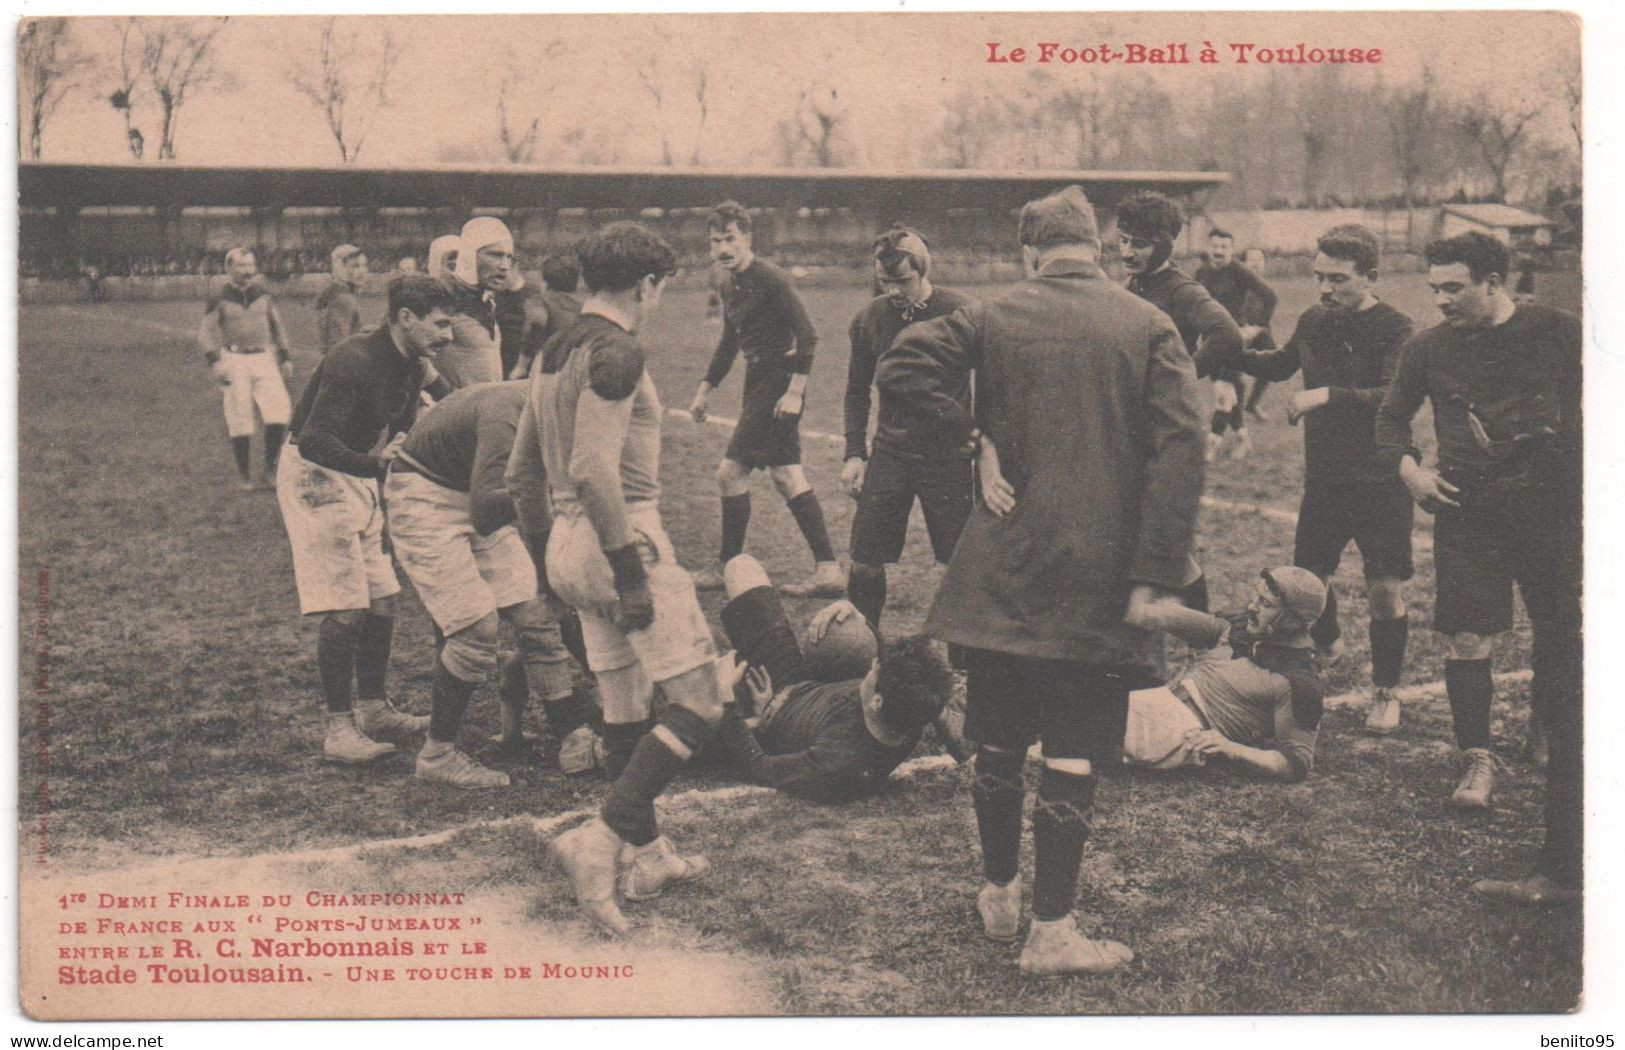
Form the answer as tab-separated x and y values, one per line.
481	232
439	248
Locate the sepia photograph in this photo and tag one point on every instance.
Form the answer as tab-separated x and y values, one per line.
844	514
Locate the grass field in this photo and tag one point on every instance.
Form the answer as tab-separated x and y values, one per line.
184	720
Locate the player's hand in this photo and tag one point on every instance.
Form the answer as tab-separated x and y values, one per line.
760	684
788	407
218	370
1146	605
852	473
286	368
636	609
1209	743
730	668
697	408
834	612
393	449
1249	332
1224	395
1427	488
997	493
1305	402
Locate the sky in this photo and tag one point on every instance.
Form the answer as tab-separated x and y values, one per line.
892	74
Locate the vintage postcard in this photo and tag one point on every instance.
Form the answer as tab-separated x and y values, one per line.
468	564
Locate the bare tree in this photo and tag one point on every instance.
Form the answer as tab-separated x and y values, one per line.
125	91
817	132
49	66
177	58
1413	121
1499	131
1572	88
680	92
349	84
528	81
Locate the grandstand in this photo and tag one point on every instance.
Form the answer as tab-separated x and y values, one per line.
145	220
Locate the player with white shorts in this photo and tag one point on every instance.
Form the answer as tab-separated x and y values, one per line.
240	329
365	392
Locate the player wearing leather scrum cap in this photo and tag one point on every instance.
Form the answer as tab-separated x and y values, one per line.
909	460
246	346
484	268
337	308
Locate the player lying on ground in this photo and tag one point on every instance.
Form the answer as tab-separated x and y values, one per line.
240	329
598	418
763	320
1253	698
451	524
825	740
365	390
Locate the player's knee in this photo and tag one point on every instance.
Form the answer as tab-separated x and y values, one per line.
1466	645
733	477
471	653
744	573
534	624
1386	597
791	481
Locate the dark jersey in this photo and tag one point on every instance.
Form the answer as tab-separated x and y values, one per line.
463	443
1354	354
898	429
763	319
363	392
1247	296
814	744
1209	332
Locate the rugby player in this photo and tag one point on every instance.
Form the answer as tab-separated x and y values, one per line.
484	268
337	308
1257	705
1251	302
1255	261
365	391
909	460
827	741
598	419
764	320
1147	224
443	257
1348	346
1088	421
240	329
451	523
1504	382
548	310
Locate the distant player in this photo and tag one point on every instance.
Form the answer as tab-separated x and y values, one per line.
599	420
1505	384
1253	698
451	523
407	265
1348	346
337	308
241	329
1257	262
484	268
828	741
1147	224
443	257
910	459
549	310
765	321
1251	302
364	392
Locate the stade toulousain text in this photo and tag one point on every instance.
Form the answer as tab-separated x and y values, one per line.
1171	54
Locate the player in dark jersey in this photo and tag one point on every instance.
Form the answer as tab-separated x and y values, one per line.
1505	383
1348	347
828	741
338	311
365	391
547	311
910	459
1251	302
765	321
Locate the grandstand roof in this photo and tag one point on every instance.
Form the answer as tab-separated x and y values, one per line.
510	186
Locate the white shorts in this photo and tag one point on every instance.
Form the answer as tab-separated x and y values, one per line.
1157	723
253	379
677	642
336	528
461	576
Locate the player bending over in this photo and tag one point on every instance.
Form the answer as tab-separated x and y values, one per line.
365	390
764	320
598	418
240	328
828	741
451	522
1258	705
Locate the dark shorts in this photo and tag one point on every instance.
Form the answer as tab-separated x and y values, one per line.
761	440
1376	515
891	484
1077	710
760	632
1482	548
